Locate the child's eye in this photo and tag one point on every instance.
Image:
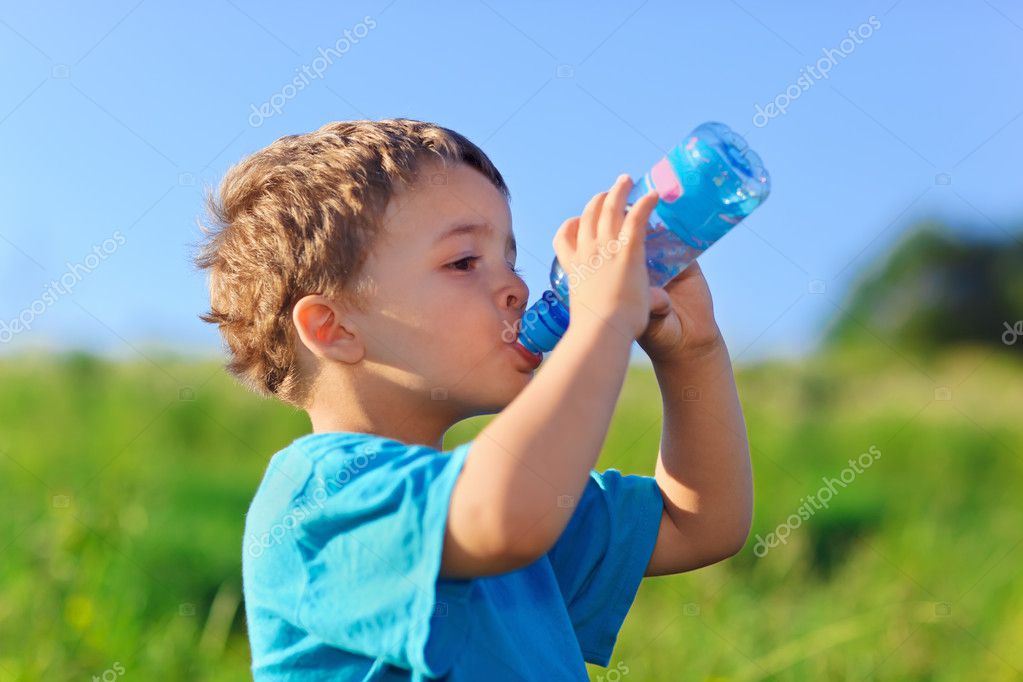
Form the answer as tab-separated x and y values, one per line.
468	260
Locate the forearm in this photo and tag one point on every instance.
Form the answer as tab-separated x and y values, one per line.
531	463
703	468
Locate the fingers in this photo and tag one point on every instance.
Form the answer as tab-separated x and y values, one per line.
613	212
588	220
565	240
604	220
633	231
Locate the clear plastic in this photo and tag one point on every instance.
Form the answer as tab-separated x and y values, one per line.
707	185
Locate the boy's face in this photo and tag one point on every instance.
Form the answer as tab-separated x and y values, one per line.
446	302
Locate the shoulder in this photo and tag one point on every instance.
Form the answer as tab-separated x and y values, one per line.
366	462
325	484
348	470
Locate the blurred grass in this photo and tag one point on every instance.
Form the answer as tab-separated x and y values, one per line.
125	487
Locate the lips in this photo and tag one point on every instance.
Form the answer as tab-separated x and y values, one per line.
533	359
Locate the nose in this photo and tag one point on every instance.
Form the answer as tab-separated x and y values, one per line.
516	296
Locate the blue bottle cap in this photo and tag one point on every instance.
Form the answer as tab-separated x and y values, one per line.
543	324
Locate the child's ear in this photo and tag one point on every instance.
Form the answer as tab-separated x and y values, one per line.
323	329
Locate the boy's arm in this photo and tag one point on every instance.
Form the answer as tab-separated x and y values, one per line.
526	470
703	467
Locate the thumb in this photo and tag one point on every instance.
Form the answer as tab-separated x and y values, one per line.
660	302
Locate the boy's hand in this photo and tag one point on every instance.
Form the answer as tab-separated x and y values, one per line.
604	257
682	320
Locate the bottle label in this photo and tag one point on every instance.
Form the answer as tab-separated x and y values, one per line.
665	181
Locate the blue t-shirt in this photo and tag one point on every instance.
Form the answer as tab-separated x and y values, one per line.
341	557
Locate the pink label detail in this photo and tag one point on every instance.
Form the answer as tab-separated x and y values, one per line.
665	181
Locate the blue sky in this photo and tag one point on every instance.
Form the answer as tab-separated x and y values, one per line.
114	116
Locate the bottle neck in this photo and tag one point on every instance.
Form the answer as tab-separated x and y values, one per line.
543	324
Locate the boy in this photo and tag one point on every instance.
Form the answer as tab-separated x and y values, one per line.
365	272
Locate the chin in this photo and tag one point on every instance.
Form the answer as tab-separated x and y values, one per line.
515	389
493	404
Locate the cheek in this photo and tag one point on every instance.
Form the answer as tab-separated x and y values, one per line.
438	328
469	332
441	332
452	309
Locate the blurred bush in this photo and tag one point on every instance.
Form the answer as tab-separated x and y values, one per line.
936	287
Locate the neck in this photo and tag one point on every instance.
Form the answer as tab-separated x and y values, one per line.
410	419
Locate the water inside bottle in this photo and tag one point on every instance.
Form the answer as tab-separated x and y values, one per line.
722	182
707	185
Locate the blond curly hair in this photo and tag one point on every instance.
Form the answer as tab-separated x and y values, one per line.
300	217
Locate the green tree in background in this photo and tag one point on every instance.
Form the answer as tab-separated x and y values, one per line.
937	287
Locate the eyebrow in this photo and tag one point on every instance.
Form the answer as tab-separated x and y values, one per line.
473	228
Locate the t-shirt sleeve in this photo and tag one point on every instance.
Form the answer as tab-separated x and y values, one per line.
370	547
601	556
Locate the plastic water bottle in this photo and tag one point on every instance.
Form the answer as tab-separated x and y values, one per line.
707	185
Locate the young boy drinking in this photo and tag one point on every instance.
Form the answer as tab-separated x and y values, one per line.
365	273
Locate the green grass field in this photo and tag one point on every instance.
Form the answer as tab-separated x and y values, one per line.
124	488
